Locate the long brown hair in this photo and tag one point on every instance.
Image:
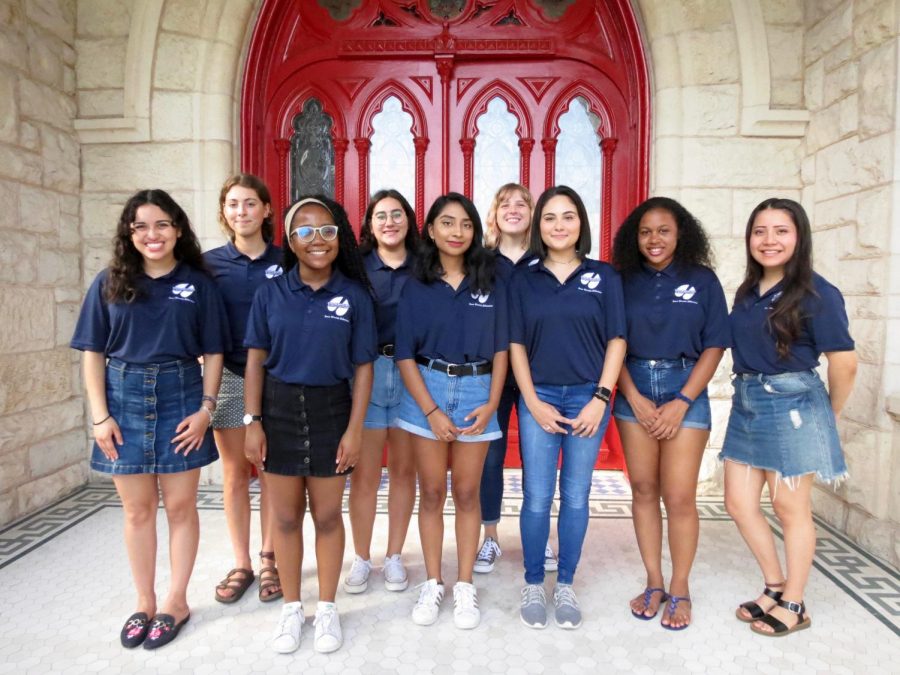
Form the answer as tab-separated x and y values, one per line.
255	183
127	263
786	318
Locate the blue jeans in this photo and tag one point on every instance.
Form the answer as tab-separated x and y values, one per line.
540	456
492	476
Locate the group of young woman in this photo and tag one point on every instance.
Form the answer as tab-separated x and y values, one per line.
317	355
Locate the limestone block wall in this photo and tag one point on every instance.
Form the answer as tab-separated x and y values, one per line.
850	189
42	423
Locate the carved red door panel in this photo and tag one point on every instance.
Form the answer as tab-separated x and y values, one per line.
563	98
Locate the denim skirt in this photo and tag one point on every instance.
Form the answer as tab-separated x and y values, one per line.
457	397
148	401
784	423
387	390
229	412
660	380
303	427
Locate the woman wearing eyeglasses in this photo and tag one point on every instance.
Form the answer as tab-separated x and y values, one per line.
387	240
310	332
452	353
145	321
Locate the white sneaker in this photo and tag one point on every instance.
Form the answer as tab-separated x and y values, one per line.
551	564
466	614
428	605
286	637
328	628
395	578
487	556
357	580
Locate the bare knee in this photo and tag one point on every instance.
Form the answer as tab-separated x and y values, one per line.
180	511
328	521
140	515
792	513
467	499
741	509
432	497
645	491
287	521
680	504
237	480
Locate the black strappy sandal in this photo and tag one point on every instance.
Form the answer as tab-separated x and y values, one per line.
756	612
779	628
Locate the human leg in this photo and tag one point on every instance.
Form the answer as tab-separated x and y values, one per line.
179	494
140	500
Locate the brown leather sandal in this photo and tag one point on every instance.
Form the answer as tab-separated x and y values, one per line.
268	578
237	581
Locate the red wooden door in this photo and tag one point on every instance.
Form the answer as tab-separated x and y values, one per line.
493	92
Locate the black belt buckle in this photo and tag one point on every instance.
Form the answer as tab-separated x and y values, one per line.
387	350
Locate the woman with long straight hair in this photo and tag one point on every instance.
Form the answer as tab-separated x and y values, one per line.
567	344
782	430
248	260
145	321
387	241
452	353
311	342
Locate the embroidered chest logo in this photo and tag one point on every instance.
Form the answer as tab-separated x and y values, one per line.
337	308
589	282
273	271
183	292
685	294
480	300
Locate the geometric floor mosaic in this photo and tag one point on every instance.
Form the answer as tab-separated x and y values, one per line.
65	590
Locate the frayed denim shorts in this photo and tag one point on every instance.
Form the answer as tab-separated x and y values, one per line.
660	380
148	401
784	423
387	391
457	397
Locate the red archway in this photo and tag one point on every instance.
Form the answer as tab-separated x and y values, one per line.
445	71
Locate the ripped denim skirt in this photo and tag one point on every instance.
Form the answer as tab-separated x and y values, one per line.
784	423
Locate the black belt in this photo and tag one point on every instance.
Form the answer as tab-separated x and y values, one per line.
456	369
386	349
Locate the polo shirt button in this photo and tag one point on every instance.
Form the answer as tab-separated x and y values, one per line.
306	460
305	444
305	428
302	398
652	362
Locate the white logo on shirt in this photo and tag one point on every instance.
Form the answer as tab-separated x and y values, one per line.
481	298
590	279
534	262
773	300
183	290
339	306
273	271
685	292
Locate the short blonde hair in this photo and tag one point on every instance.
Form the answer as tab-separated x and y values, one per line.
491	229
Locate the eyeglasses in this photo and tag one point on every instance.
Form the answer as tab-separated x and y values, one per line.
381	217
306	233
161	226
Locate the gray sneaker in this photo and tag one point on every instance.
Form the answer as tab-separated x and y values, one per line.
533	609
568	613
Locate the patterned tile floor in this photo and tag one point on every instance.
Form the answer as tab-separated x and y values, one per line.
65	590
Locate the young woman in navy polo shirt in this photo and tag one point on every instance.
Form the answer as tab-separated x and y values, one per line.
249	259
145	321
452	353
387	240
310	332
677	332
567	333
507	231
782	431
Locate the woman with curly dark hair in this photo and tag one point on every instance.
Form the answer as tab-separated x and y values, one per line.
782	428
452	339
310	333
677	332
144	323
388	239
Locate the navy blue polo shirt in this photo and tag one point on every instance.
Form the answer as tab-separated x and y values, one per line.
675	312
238	276
825	328
315	338
565	327
505	267
457	326
179	316
388	283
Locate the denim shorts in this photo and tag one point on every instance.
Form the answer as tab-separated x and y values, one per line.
660	380
784	423
229	412
387	390
148	401
304	426
457	397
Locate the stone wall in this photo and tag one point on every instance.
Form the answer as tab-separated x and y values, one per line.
850	189
42	422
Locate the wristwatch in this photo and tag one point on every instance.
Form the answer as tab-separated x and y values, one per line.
250	419
602	393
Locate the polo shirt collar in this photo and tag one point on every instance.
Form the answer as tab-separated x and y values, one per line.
235	254
670	270
777	288
173	274
379	264
540	267
335	283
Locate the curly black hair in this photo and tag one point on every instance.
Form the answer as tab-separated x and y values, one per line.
478	262
787	316
583	245
367	242
127	263
693	245
349	259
